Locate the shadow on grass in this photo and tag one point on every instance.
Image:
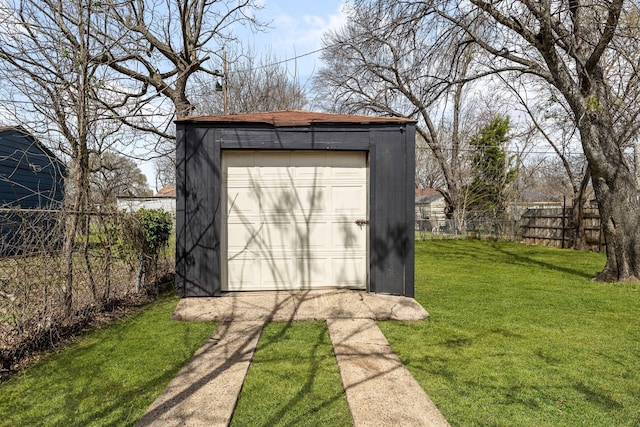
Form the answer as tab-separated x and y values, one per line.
491	253
530	261
594	396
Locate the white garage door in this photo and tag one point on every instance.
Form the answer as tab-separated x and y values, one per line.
290	220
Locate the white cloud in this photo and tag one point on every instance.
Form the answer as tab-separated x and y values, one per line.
307	30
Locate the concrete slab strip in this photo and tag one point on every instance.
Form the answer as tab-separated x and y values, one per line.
205	391
380	390
287	306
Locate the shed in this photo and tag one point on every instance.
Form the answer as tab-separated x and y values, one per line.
293	200
430	210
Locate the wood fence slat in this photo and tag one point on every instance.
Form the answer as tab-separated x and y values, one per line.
551	227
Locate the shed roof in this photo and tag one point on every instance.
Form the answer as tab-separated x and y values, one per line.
295	118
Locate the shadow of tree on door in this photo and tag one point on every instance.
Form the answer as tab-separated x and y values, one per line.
289	220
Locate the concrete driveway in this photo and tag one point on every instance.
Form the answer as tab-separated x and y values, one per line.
380	391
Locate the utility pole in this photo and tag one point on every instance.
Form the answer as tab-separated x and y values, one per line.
221	86
224	82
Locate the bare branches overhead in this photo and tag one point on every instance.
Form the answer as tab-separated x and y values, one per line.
161	44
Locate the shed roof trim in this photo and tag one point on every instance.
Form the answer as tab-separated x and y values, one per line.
295	118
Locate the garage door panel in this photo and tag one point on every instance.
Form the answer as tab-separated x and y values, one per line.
278	202
278	235
313	235
345	271
312	271
277	273
274	165
294	216
278	174
347	160
312	174
235	159
243	237
347	200
242	274
309	159
241	200
311	200
287	201
348	236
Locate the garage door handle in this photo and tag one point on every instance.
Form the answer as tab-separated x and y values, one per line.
361	222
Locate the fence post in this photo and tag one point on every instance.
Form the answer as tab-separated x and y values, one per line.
563	219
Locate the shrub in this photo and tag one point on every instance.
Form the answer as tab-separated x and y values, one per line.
145	232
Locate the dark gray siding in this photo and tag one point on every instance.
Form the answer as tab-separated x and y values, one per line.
30	175
391	170
391	248
32	178
198	213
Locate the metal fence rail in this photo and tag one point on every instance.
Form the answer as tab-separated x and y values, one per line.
545	226
44	290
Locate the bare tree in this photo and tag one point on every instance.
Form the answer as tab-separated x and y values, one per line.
588	51
114	175
551	120
158	47
49	75
392	59
162	44
165	170
254	83
251	84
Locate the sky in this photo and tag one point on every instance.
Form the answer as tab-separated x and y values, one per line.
296	29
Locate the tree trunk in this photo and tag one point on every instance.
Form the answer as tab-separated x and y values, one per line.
615	187
618	205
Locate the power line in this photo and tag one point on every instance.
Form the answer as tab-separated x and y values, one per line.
284	61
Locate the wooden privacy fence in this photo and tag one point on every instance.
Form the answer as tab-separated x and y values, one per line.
552	227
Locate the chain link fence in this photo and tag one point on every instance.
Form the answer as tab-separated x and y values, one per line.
537	226
475	225
47	294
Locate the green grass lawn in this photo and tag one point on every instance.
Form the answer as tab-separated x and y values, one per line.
108	377
293	380
520	336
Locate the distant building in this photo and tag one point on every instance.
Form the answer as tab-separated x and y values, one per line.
430	208
31	190
31	176
164	199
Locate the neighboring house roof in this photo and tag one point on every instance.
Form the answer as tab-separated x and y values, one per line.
296	118
426	191
427	195
24	132
168	191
